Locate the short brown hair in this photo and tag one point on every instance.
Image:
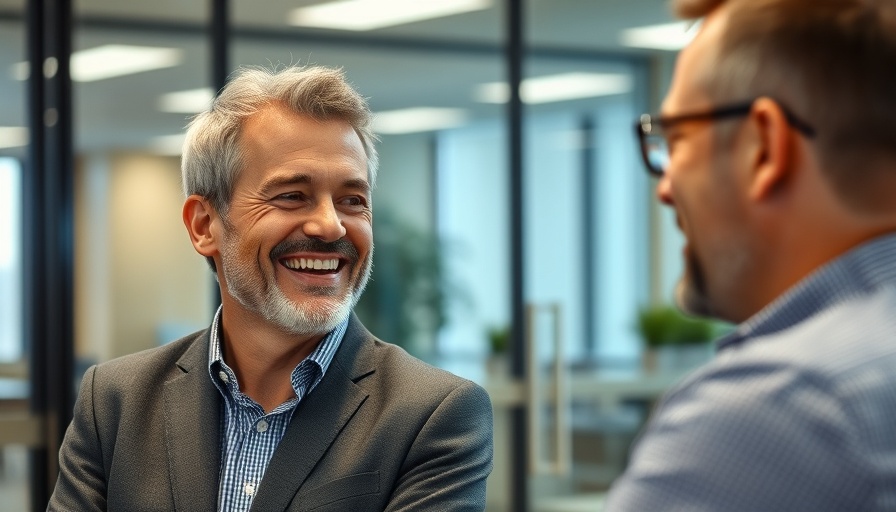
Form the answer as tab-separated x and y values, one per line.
832	62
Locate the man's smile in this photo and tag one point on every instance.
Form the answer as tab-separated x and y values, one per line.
314	265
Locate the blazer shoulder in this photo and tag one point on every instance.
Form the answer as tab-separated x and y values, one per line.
155	365
399	370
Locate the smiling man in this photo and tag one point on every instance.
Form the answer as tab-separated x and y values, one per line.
776	148
286	402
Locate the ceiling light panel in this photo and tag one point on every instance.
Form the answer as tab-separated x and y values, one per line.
418	119
363	15
13	136
168	145
117	60
192	101
112	60
667	36
562	87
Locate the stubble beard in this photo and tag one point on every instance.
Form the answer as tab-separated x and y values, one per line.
258	292
700	294
690	292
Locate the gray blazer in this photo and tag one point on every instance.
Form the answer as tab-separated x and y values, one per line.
381	431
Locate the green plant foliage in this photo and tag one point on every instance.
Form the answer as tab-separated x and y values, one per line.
498	339
666	325
407	299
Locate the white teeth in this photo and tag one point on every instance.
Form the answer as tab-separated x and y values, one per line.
307	263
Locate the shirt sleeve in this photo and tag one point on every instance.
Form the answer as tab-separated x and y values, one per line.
752	437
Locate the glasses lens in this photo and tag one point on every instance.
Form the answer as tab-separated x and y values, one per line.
657	153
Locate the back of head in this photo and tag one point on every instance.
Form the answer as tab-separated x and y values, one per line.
212	156
831	62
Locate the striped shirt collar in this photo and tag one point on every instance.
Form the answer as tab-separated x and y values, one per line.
859	271
321	357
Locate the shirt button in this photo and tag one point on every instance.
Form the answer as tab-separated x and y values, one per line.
262	426
223	375
250	489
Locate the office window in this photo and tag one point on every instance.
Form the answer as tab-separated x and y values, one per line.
11	346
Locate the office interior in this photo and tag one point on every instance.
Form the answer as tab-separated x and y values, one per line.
517	235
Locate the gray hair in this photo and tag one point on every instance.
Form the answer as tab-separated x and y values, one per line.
212	155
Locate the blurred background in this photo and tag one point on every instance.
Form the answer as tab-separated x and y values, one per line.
518	242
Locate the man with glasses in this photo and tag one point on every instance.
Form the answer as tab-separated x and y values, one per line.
776	147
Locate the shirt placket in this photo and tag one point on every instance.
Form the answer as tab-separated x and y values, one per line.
249	467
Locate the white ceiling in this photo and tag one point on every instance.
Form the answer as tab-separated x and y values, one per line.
121	112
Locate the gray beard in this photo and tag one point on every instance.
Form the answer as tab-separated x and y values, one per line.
295	318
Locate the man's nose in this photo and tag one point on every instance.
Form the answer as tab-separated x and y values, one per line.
664	190
324	223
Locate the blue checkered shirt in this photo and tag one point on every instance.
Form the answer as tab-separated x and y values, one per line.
249	436
797	412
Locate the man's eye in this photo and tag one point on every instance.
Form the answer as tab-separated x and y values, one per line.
353	201
291	196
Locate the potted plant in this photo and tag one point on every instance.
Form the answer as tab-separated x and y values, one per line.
673	340
498	341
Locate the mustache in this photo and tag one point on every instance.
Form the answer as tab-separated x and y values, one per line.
342	247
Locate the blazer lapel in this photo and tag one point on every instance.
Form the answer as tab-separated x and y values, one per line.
192	431
317	421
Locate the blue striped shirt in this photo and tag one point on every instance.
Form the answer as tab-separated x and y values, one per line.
249	436
797	412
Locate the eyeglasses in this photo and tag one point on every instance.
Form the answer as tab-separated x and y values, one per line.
651	130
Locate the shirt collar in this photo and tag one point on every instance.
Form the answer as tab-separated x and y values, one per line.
321	357
859	271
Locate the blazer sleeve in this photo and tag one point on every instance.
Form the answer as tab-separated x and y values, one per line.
451	457
81	484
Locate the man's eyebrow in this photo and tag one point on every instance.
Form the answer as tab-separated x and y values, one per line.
357	183
277	182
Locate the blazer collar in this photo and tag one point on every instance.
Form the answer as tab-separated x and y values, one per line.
318	420
192	429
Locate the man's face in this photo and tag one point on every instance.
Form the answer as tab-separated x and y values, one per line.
701	185
297	240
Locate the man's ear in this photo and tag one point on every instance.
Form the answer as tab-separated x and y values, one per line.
772	164
199	217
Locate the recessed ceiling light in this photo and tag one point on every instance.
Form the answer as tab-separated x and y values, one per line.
13	136
19	71
168	145
187	102
418	119
667	36
562	87
112	60
374	14
116	60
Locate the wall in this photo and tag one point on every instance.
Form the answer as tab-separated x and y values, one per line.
138	281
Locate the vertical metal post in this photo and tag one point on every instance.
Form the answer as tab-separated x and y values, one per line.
518	420
49	243
220	26
589	241
34	279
